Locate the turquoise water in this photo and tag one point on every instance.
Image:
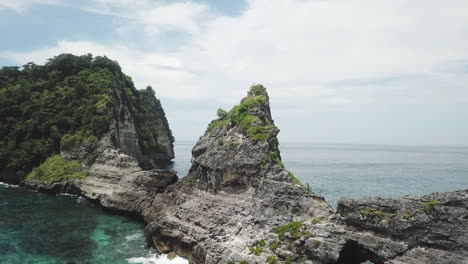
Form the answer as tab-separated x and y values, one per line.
38	228
353	171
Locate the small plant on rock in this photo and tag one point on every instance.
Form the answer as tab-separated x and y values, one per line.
274	245
316	221
293	228
429	207
262	243
257	251
271	259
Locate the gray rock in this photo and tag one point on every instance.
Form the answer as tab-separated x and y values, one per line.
237	193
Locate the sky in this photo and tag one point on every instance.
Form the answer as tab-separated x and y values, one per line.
337	71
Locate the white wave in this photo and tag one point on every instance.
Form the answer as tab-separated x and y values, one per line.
157	259
81	199
133	237
67	194
9	185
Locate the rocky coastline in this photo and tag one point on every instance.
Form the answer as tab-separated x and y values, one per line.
238	204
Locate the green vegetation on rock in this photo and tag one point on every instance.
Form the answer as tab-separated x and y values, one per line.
316	221
69	101
56	168
295	179
274	245
293	228
429	207
242	117
257	251
374	214
262	243
271	259
274	158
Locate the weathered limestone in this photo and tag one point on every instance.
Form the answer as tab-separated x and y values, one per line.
239	204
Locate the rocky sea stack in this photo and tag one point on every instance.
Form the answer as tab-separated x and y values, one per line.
235	193
238	204
78	125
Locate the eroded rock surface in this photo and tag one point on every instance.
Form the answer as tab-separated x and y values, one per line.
236	191
238	204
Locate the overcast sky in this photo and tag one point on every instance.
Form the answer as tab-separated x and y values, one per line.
337	71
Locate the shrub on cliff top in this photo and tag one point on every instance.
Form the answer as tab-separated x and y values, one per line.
257	89
55	169
240	115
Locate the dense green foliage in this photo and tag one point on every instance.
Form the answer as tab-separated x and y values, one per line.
145	113
241	116
70	100
56	168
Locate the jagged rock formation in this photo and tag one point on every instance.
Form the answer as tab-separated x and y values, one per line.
433	227
412	229
238	204
236	191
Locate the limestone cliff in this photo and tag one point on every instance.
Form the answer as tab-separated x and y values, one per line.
67	107
236	191
238	204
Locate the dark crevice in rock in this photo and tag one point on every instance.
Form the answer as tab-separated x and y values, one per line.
354	253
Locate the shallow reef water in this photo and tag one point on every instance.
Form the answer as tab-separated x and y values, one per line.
37	228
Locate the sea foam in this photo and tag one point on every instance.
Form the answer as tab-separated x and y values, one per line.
157	259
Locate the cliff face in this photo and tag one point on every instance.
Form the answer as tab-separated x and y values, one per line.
126	137
235	193
433	226
158	122
238	204
67	107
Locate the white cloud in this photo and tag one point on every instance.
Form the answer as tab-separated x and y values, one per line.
295	47
21	5
307	53
155	17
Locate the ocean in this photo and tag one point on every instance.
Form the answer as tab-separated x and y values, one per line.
357	170
48	229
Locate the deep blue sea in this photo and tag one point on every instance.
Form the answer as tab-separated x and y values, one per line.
356	170
38	228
